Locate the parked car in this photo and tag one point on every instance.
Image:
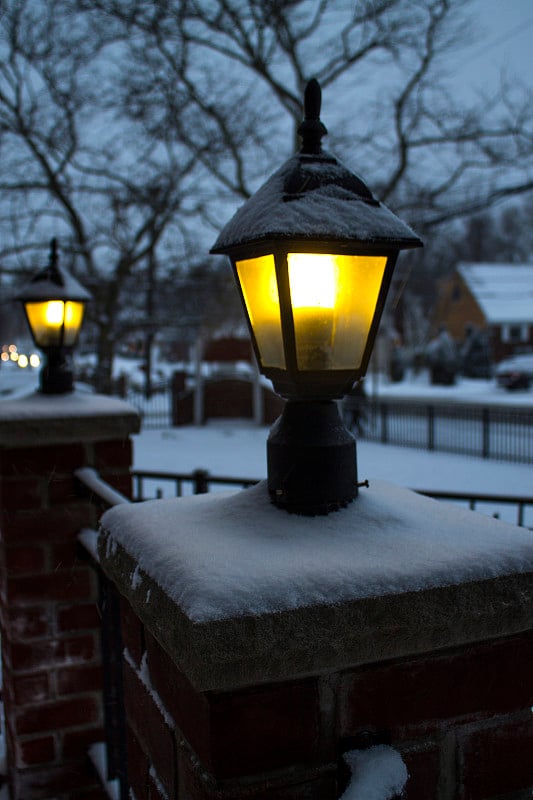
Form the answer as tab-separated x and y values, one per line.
516	372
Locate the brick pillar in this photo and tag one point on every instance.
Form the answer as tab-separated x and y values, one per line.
261	646
49	621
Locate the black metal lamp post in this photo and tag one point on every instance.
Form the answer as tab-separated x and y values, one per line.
313	253
54	303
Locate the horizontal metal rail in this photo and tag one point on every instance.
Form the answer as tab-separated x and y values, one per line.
474	500
200	482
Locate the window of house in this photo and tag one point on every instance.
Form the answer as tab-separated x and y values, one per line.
515	333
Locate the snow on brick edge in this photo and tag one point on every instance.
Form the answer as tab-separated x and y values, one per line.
223	555
378	773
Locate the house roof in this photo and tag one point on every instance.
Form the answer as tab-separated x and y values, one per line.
504	292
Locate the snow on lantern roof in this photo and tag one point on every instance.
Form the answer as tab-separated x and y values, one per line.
313	196
504	292
53	283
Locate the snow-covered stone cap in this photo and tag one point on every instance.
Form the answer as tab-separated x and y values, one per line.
315	197
237	591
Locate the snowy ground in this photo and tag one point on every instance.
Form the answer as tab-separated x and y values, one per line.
238	449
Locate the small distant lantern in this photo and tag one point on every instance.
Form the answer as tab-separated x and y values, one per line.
54	304
313	253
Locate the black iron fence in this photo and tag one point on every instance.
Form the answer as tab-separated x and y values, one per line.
502	433
149	485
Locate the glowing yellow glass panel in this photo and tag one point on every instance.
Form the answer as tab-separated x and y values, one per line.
55	322
333	299
257	277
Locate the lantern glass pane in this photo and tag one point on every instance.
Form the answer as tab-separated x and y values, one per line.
257	277
333	300
55	322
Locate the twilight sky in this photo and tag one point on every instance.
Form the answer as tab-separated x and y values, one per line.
505	40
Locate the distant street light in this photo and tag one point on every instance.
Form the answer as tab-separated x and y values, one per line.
313	254
54	303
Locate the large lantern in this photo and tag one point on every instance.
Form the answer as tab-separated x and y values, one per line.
313	254
54	303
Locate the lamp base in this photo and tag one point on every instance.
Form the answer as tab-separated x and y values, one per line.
57	376
311	457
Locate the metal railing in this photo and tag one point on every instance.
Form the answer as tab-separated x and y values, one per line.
504	434
103	496
498	432
200	481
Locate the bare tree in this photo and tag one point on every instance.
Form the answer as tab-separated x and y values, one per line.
137	125
70	166
384	65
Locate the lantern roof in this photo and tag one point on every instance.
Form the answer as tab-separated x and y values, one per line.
53	283
313	196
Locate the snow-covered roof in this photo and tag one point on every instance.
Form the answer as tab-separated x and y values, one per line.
504	292
314	197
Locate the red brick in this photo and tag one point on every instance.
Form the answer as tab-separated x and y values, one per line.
30	559
24	493
113	454
31	689
188	708
138	766
27	622
76	680
58	715
479	680
424	771
58	523
60	458
64	555
52	652
132	631
497	759
150	729
76	743
314	784
78	617
39	750
55	781
264	728
96	793
63	489
61	586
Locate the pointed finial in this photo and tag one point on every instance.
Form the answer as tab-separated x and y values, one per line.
51	272
312	129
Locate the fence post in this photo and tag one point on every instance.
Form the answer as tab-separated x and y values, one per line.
384	423
49	622
485	418
431	427
201	477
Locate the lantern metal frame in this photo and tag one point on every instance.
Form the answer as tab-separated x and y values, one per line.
315	205
54	283
291	382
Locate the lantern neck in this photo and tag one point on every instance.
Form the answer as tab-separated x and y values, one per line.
57	376
311	459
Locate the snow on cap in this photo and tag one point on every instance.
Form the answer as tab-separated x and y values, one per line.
313	196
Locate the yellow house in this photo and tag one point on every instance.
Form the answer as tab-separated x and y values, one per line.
497	298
